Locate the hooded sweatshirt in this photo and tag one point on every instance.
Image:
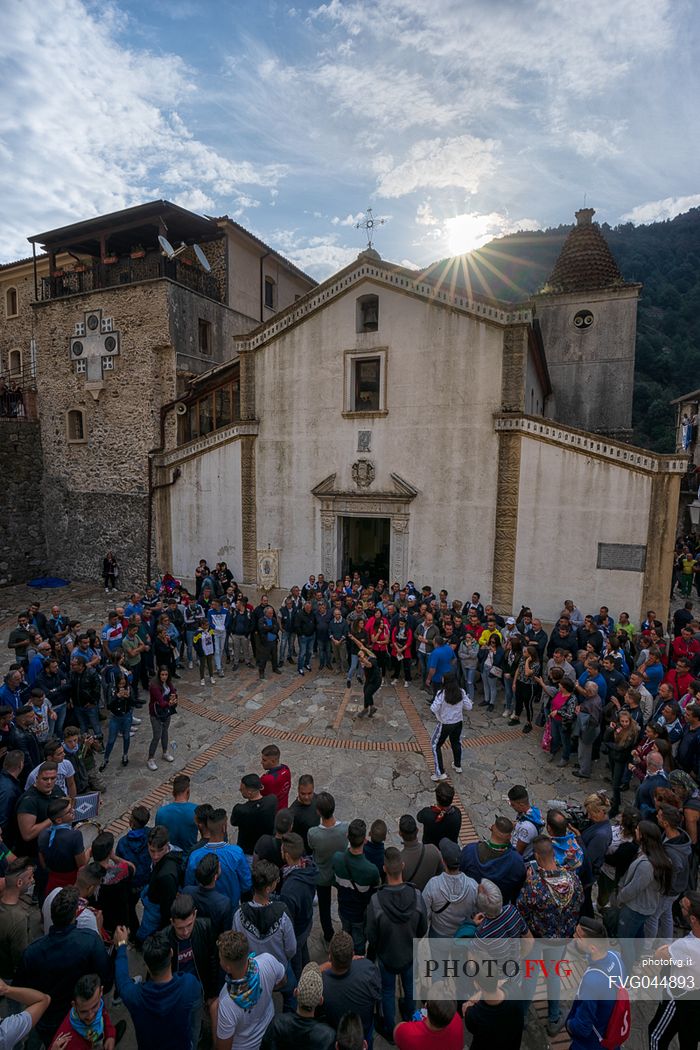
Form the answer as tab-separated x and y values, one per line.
134	847
158	1008
505	867
298	891
395	915
550	901
268	928
449	898
678	850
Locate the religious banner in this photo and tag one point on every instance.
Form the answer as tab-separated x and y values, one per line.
268	569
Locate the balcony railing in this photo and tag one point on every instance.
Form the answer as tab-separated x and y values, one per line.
18	398
99	275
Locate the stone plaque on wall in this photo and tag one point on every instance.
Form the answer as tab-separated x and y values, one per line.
625	557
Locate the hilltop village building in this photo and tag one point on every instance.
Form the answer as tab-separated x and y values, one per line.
379	420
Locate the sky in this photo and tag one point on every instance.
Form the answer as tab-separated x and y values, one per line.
454	120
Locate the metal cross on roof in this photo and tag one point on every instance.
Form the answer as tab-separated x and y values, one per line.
368	224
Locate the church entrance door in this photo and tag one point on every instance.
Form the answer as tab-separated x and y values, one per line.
365	548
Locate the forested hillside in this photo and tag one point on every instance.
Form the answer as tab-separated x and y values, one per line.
665	258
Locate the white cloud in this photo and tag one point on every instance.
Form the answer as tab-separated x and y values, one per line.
349	220
105	133
463	161
657	211
593	145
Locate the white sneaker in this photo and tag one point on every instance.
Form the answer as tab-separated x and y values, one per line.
457	769
405	684
301	671
106	590
392	682
133	731
151	764
167	757
438	776
202	682
506	713
189	665
136	721
212	680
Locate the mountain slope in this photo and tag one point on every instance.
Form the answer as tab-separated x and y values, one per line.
663	256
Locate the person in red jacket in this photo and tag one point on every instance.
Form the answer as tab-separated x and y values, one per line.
88	1024
277	778
679	678
684	645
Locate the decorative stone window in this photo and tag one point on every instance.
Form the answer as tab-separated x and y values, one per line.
14	362
204	337
270	295
11	302
76	429
367	313
365	382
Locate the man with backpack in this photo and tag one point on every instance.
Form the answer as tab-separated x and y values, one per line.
600	1014
529	822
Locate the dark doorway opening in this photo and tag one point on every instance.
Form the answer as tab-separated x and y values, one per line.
365	547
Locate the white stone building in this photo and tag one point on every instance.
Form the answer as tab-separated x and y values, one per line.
392	423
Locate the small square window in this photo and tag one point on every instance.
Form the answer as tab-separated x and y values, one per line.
367	376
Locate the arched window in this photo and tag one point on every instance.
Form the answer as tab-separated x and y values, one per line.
76	431
367	316
14	362
11	302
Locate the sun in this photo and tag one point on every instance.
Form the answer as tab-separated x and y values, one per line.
467	231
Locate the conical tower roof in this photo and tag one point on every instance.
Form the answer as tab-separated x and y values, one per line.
585	262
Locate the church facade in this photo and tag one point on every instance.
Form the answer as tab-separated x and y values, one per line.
379	421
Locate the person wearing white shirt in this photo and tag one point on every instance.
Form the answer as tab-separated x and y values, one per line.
245	1005
449	706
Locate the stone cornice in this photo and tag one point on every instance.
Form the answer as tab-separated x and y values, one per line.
495	313
590	444
205	444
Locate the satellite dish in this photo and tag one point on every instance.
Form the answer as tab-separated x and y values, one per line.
166	247
201	258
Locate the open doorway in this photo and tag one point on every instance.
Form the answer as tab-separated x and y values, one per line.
365	547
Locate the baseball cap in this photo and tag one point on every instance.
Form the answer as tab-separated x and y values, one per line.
310	987
510	620
451	853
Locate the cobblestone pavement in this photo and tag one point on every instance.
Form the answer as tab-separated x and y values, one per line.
375	768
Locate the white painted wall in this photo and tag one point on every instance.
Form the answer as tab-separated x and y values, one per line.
444	384
569	503
205	511
245	281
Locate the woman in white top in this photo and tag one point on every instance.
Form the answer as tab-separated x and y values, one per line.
448	707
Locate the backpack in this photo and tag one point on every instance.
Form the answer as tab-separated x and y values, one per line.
539	825
619	1026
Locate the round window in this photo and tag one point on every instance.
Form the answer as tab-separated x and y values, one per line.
583	320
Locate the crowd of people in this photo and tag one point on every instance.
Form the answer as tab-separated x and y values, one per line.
220	904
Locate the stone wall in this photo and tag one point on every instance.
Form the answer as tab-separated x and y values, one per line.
96	491
22	542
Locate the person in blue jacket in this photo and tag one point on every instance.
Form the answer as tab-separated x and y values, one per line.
595	999
165	1002
494	858
134	847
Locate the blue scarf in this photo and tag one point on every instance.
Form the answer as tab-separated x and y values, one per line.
246	991
92	1033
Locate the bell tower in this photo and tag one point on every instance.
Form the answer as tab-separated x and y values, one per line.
587	314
